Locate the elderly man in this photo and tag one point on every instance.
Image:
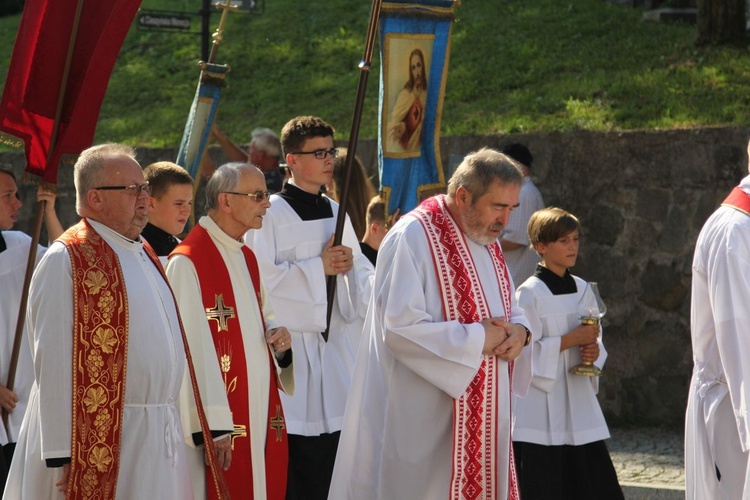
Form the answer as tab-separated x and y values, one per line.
231	327
717	426
14	256
429	413
108	352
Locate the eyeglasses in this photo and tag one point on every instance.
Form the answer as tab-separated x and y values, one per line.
135	188
258	196
320	154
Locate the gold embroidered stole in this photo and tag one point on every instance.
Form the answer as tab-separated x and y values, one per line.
100	346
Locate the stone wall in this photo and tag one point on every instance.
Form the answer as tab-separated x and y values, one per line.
642	198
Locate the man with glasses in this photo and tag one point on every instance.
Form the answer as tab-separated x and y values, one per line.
296	254
242	355
108	352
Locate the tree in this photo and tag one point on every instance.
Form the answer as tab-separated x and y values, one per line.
721	21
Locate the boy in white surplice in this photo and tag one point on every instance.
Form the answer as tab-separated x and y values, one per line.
296	255
558	428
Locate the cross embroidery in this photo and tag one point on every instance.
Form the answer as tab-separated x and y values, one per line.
220	313
277	423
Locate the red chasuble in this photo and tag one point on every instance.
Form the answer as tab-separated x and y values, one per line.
475	419
100	348
738	199
221	311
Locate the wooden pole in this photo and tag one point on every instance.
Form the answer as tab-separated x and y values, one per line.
364	67
40	209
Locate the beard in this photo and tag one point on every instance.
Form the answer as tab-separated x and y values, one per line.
476	232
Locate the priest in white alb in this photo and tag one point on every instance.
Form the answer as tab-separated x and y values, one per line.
429	411
717	426
108	353
241	354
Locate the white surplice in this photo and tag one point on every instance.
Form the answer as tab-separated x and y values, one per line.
12	271
560	408
397	437
717	430
186	286
153	462
288	251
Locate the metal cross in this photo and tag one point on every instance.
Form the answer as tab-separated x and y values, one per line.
278	424
221	313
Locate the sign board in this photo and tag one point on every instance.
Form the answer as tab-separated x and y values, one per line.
163	20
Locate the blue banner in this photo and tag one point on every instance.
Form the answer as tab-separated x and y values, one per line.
414	49
201	117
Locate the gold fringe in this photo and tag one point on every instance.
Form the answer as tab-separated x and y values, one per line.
418	10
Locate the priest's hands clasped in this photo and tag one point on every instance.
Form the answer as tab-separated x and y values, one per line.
336	259
503	339
279	339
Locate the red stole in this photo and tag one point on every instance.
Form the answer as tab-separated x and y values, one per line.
221	307
738	199
100	338
475	417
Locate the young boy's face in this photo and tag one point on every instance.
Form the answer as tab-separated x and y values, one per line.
171	211
308	172
561	254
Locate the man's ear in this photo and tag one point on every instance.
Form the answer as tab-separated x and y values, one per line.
291	161
463	197
151	203
94	199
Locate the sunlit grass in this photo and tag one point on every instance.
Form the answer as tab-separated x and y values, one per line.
516	66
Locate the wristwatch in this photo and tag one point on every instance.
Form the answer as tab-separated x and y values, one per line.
528	335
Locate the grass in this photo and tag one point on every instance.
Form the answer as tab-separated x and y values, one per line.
516	66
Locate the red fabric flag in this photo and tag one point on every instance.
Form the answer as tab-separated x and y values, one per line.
35	76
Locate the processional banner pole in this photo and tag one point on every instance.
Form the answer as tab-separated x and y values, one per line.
205	104
364	72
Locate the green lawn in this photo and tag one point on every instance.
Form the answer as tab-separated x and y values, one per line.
516	66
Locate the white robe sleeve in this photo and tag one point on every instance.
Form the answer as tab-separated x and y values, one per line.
546	355
298	286
285	375
50	318
187	291
729	285
445	353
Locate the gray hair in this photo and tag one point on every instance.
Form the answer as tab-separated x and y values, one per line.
89	168
266	141
480	169
226	178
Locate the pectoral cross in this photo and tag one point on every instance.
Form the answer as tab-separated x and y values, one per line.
220	313
278	424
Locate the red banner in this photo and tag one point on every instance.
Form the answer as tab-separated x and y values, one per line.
35	76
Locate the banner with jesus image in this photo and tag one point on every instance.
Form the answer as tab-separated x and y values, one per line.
415	40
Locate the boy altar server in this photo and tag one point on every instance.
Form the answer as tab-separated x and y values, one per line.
296	254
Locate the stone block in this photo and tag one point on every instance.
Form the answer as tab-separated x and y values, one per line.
662	287
653	204
603	224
